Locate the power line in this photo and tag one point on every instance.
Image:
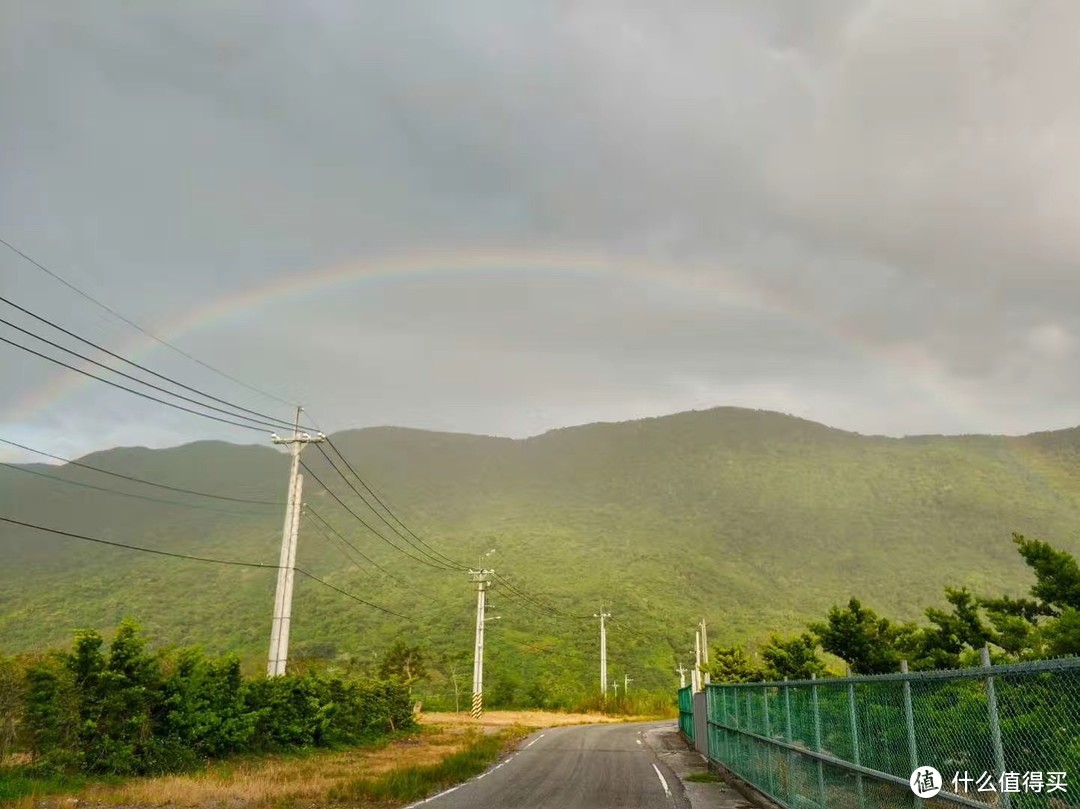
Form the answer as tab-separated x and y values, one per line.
136	326
336	546
179	489
509	596
364	522
129	390
311	511
388	509
174	555
134	364
546	606
539	607
367	503
145	497
275	423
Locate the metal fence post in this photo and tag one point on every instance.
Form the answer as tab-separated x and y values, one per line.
768	734
750	759
995	722
817	740
790	774
787	712
861	797
909	720
738	725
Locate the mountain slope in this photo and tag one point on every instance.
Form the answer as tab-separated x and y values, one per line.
756	520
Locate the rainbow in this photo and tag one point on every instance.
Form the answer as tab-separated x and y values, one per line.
701	281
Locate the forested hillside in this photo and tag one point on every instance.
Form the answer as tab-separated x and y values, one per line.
756	520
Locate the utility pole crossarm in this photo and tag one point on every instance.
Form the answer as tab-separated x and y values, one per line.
279	629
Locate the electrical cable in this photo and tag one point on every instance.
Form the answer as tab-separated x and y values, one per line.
275	424
336	546
58	479
367	503
364	522
311	511
173	554
389	510
134	364
136	326
140	480
129	390
511	586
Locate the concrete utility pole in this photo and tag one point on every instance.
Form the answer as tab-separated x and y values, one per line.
696	674
626	684
603	651
481	577
705	651
279	629
682	675
615	685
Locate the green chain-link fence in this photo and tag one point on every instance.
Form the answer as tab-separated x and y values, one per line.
686	712
855	742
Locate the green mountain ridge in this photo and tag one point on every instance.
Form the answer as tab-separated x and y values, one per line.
757	521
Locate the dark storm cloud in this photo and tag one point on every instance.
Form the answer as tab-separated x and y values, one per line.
896	181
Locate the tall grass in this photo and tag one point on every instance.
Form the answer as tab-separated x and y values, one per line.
416	782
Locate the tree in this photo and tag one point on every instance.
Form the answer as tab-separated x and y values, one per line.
1062	635
403	663
795	658
454	665
730	664
11	704
52	718
1057	575
940	645
1015	622
858	636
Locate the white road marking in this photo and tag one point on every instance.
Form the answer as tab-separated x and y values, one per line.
534	741
663	783
482	775
497	766
433	797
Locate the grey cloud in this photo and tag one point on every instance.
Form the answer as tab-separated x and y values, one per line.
896	178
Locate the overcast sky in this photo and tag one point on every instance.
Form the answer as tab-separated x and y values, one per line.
862	213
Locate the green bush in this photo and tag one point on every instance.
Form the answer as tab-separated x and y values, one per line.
129	712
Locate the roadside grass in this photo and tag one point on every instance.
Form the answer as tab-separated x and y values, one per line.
415	782
20	782
445	749
538	719
706	777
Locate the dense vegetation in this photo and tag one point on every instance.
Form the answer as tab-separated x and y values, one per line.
756	521
1045	624
129	711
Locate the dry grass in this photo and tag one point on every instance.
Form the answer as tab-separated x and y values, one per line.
307	780
493	720
267	781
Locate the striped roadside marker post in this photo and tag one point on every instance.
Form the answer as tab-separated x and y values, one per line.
477	705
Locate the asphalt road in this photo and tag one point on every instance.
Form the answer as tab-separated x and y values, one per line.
582	767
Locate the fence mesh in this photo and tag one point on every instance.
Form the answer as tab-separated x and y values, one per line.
855	742
686	712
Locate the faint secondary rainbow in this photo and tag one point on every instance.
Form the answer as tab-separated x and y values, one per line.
699	280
